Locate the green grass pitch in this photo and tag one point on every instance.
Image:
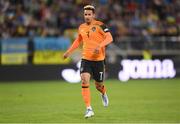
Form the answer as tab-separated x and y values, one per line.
58	101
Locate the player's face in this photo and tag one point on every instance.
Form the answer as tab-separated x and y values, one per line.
88	16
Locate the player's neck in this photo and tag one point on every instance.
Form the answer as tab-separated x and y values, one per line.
89	23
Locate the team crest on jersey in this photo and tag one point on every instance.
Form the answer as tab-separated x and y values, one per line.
93	29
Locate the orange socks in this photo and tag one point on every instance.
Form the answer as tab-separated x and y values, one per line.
86	94
100	88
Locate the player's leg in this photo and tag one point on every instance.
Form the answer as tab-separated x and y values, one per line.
101	88
85	82
98	75
85	78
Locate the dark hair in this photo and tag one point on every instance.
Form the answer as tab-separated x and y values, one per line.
89	7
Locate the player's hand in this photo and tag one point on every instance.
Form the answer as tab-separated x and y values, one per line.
65	55
96	51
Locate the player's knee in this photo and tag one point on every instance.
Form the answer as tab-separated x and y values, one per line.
84	80
99	86
84	83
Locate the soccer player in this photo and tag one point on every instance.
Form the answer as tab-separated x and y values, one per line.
94	37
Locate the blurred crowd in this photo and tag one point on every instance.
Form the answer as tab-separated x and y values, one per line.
20	18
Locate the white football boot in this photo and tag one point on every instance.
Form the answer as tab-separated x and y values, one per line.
105	100
89	113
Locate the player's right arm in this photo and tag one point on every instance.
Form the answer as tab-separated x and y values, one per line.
74	46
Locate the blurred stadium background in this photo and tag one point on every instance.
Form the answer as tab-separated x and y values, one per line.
141	62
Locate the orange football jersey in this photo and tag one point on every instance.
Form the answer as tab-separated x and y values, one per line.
92	35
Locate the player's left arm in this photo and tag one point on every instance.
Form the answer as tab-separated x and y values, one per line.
108	38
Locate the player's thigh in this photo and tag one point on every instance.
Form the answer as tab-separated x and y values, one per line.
98	71
85	71
85	77
85	66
